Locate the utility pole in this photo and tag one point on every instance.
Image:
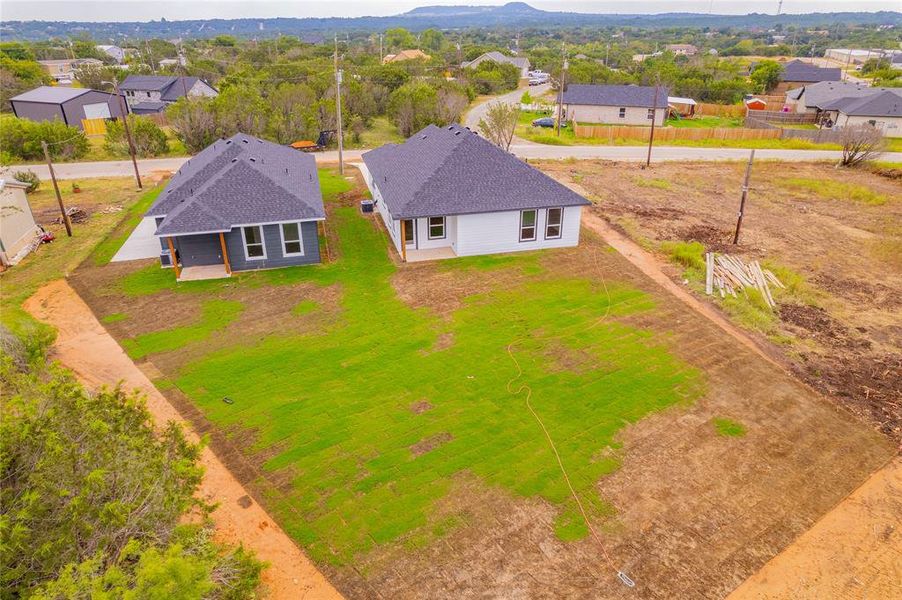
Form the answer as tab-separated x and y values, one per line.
560	90
56	188
745	193
654	117
341	166
381	55
128	131
607	51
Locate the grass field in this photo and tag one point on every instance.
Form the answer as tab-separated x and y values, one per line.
334	407
61	257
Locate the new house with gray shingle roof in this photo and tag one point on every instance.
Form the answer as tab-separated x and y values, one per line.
615	104
240	204
148	94
448	192
841	103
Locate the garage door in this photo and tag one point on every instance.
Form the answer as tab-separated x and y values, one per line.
100	110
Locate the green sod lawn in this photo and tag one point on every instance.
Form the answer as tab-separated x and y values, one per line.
335	407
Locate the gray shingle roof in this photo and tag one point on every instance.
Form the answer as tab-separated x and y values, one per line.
239	181
170	88
495	56
51	95
824	94
881	104
146	107
452	171
796	70
615	95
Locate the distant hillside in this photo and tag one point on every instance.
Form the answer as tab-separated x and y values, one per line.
513	14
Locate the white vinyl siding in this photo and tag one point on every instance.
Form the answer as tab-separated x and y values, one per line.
292	239
633	115
254	244
491	233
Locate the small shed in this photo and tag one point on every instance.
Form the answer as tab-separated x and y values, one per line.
756	104
685	107
69	105
17	227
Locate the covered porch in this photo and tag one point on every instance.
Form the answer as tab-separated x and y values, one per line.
427	238
211	262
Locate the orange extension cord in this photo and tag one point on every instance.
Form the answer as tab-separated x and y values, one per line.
525	387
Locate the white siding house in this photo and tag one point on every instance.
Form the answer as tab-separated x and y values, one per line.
502	205
615	104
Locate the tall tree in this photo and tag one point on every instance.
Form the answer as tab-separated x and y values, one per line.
499	123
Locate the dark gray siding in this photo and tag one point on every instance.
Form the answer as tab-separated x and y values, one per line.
272	238
70	112
75	111
197	250
38	111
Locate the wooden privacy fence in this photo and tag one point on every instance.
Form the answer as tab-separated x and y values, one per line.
94	126
665	134
719	110
781	118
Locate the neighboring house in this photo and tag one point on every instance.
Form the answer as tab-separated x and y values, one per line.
17	227
448	192
615	104
64	70
114	52
882	109
240	204
173	62
815	98
521	62
152	93
642	57
69	105
682	49
797	73
405	55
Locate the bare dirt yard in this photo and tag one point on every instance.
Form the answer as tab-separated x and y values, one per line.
835	235
373	409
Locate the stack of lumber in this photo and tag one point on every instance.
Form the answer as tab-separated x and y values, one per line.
729	274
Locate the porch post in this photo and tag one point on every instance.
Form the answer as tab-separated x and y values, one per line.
172	257
225	253
403	241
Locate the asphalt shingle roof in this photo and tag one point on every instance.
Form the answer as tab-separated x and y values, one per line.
796	70
452	171
170	88
822	95
495	56
148	106
51	95
239	181
615	95
881	104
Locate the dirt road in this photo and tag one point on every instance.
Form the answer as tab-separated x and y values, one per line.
84	346
854	551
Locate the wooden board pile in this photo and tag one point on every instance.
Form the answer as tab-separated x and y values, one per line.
727	274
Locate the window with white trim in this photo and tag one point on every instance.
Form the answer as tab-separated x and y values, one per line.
292	240
528	225
622	112
553	222
254	248
436	228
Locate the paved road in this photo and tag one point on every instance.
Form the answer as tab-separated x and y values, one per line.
471	120
85	170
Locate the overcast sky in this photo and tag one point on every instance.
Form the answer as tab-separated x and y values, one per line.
144	10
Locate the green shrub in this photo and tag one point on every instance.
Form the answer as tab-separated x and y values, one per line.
22	139
29	177
149	139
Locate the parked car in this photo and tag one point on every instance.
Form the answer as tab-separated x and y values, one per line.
544	122
537	81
